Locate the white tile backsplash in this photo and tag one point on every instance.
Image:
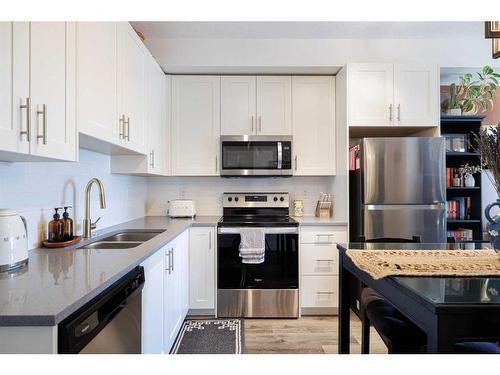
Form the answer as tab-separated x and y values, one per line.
207	191
34	189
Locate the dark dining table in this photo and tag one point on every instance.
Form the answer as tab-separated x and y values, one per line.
447	309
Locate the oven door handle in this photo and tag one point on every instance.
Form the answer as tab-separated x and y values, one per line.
268	230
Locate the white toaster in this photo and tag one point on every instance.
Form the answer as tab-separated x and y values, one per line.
182	208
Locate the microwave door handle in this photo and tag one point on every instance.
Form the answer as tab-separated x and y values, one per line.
280	155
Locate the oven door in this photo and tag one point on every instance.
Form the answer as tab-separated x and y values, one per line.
256	156
280	269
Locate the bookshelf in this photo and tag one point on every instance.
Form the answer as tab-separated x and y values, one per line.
467	220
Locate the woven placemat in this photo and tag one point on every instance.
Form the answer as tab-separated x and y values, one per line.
459	263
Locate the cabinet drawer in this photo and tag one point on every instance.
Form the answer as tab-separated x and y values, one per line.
323	235
319	259
319	291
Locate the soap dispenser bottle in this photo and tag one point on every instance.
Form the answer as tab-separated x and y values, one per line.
56	228
67	225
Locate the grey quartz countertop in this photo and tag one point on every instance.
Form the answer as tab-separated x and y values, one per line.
58	282
313	220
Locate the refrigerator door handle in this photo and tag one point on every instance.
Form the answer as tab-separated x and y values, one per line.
434	206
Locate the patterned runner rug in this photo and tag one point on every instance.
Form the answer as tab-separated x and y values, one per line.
459	263
216	336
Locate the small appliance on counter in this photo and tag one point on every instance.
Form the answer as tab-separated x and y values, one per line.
13	240
182	208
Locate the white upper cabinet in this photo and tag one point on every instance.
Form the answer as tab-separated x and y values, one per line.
370	94
202	268
195	125
238	105
38	84
274	105
313	125
97	80
393	94
131	88
14	87
416	95
53	64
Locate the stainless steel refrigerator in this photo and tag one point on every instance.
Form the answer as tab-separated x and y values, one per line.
398	189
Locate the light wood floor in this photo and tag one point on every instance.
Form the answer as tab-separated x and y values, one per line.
307	335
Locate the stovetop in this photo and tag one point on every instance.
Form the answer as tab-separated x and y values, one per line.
257	221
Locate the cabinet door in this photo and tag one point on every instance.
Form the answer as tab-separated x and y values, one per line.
183	264
53	90
156	120
14	86
274	105
195	125
370	94
152	304
416	95
238	105
202	268
132	88
97	74
313	125
170	306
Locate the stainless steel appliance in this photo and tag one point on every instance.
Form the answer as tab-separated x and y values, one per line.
110	323
13	240
265	290
255	155
399	189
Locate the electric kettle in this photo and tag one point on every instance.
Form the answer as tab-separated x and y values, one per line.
13	240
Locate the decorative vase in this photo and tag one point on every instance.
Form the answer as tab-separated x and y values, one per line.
493	226
469	180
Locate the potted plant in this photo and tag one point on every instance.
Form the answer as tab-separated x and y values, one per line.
473	96
467	173
488	144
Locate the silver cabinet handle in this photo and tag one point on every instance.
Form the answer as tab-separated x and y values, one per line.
399	112
26	132
296	163
122	126
210	240
172	252
128	129
151	159
324	260
321	292
390	112
252	125
260	124
167	254
43	113
216	163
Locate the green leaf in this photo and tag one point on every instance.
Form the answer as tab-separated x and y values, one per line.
487	70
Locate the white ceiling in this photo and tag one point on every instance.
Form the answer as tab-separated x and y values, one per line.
311	30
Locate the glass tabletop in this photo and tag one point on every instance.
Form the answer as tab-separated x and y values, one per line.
443	290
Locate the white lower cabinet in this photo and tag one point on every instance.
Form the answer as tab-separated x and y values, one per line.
202	268
176	288
152	304
165	297
319	268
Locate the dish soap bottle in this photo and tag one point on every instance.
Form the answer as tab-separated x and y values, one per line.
56	228
67	225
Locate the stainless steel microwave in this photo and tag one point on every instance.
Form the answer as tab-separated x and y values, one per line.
255	155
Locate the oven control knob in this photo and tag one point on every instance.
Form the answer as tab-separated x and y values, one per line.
275	199
282	199
229	199
236	199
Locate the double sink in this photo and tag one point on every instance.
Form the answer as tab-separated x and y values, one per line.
122	240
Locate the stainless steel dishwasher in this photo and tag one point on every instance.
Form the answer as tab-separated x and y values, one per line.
110	323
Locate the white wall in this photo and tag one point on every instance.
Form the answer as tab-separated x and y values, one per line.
188	55
207	191
34	189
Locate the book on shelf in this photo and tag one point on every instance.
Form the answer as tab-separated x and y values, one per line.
461	234
459	208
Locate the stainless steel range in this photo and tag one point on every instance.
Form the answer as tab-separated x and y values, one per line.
264	290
